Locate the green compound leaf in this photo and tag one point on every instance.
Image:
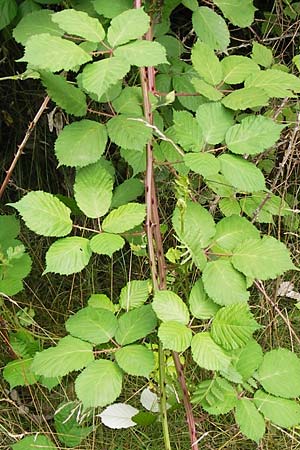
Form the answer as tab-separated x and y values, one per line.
247	359
134	294
111	9
223	283
214	120
135	324
8	11
44	214
127	192
69	354
237	68
106	244
99	384
92	324
233	326
38	22
242	174
237	12
206	89
69	431
201	306
250	421
263	259
18	373
87	134
205	164
142	53
246	98
124	218
275	83
211	28
187	130
64	94
207	354
34	442
68	255
206	63
168	306
284	413
136	360
253	135
175	336
128	25
262	55
279	373
233	230
216	396
79	23
61	54
129	133
99	76
93	189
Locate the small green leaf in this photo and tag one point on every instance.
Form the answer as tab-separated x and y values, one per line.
229	206
134	294
142	53
206	63
250	421
237	12
218	183
275	83
203	163
136	360
206	89
124	218
38	22
247	359
182	83
79	23
245	98
18	373
187	130
216	396
106	243
128	25
110	9
69	431
237	68
211	28
175	336
214	120
207	354
201	306
233	230
8	11
34	442
135	324
262	55
9	228
284	413
68	255
126	192
129	133
129	101
169	306
101	301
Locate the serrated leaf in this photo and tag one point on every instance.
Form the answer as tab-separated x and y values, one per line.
187	130
214	120
44	214
233	230
87	134
201	306
136	360
206	63
218	183
168	306
207	354
262	55
175	336
110	9
23	343
129	101
206	89
128	133
69	354
216	396
128	25
263	259
18	373
38	22
101	301
69	432
99	384
204	164
172	45
142	53
126	192
79	23
68	255
134	294
284	413
239	13
8	11
211	28
182	83
248	97
95	325
137	160
279	373
124	218
118	416
242	174
229	206
106	243
61	54
250	421
34	442
135	324
237	68
275	83
253	135
247	359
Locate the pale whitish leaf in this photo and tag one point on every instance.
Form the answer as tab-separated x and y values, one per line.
233	326
223	283
106	243
169	306
136	360
182	83
135	324
216	396
101	301
279	373
99	384
99	76
92	324
218	183
201	306
128	25
149	400
87	134
118	416
206	63
18	373
134	294
128	133
207	354
44	214
211	28
247	359
142	53
233	230
275	83
237	68
175	336
245	98
239	13
229	206
250	421
124	218
284	413
69	354
68	430
38	22
214	120
110	9
61	54
203	163
286	289
8	10
79	23
64	94
263	259
127	191
262	55
242	174
187	130
129	101
93	189
253	135
206	89
34	442
68	255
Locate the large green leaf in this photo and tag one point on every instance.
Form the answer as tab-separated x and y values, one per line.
239	13
106	243
124	218
207	354
110	9
99	384
233	230
279	373
69	354
135	324
38	22
205	164
233	326
68	255
19	373
142	53
253	135
206	63
263	259
128	25
34	442
87	134
216	396
69	431
242	174
211	28
134	294
275	83
175	336
201	306
136	360
8	11
127	191
262	55
79	23
61	54
128	133
223	283
169	306
284	413
95	325
187	130
93	189
250	421
245	98
237	68
44	214
214	120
